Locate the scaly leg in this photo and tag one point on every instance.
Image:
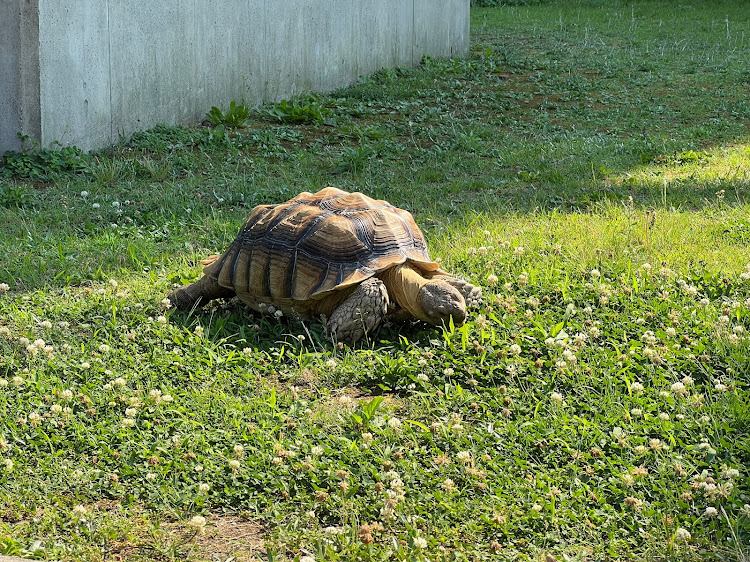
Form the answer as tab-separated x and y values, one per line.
361	313
471	293
198	293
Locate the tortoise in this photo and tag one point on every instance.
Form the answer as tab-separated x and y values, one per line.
355	260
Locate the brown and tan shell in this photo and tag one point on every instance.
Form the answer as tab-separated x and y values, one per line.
316	243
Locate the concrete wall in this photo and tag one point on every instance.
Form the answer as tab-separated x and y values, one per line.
89	72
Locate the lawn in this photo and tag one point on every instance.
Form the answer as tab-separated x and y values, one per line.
588	165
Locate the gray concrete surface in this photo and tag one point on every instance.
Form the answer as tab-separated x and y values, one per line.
90	72
19	72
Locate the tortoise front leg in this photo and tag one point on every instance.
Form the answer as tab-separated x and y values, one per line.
471	293
360	313
198	293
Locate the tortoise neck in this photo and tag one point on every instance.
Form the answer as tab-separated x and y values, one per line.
403	283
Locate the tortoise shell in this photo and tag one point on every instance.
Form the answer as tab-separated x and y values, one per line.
317	243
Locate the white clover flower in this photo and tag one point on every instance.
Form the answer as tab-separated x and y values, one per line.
3	383
595	273
491	280
678	388
636	387
657	445
234	464
95	205
420	543
682	535
131	412
367	437
519	251
448	485
119	382
203	487
197	523
45	324
594	332
523	278
55	409
515	349
150	476
448	372
636	412
79	510
711	512
161	319
9	464
537	508
85	365
556	397
720	387
128	422
307	559
394	423
317	450
104	348
464	457
4	287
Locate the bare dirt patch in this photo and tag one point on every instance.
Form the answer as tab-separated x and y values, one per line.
229	537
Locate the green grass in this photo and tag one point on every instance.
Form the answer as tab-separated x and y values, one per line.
588	165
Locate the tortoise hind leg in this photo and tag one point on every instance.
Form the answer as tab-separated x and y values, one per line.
360	313
198	293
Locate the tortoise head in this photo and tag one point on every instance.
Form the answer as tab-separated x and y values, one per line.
439	302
